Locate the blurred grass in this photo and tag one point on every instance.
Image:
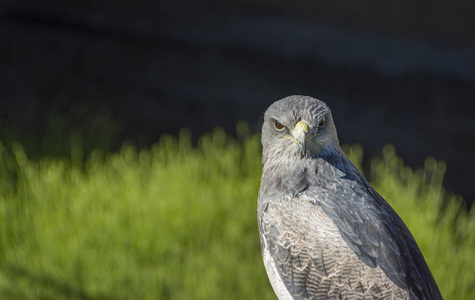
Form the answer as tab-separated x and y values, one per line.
176	221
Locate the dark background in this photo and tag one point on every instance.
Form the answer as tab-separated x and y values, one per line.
400	72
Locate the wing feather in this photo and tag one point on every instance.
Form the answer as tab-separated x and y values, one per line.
338	238
311	257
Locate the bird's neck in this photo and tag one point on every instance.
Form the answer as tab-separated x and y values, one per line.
297	173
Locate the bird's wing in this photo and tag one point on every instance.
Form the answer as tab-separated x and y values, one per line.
306	237
374	231
305	248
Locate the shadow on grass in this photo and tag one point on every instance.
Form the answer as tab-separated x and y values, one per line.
42	286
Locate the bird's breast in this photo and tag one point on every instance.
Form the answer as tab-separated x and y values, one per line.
305	248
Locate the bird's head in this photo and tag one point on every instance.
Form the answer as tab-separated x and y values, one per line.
297	127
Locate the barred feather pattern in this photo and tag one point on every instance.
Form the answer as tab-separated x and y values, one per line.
305	247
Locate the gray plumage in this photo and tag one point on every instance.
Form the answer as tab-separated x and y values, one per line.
325	232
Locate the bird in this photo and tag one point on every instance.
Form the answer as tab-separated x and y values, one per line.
325	233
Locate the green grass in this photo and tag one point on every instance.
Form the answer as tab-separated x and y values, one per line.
176	221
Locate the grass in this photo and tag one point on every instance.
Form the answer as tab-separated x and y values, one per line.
176	221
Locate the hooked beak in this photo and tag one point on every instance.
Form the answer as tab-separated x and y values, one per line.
300	135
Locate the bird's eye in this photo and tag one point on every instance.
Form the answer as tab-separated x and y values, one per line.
322	122
278	125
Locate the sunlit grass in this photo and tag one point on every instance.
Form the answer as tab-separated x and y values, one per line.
179	222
